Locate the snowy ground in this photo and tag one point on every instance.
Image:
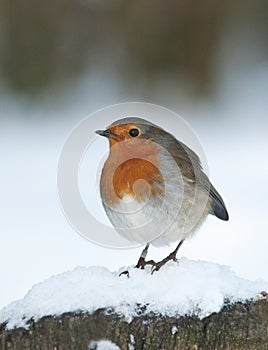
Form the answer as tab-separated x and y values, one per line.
188	288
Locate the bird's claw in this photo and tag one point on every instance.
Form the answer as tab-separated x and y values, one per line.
141	263
154	269
157	266
126	272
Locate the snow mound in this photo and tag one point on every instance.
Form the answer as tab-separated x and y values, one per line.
187	288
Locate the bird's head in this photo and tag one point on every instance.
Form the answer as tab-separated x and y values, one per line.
127	129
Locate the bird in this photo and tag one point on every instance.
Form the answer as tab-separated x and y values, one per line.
153	187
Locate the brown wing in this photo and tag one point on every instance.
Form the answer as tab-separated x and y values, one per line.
190	167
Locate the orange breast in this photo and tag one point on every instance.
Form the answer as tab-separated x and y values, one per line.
137	178
136	175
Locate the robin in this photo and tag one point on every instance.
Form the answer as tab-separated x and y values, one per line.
153	187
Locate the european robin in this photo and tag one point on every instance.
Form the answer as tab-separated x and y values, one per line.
153	187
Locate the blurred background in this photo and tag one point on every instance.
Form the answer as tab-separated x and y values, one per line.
60	61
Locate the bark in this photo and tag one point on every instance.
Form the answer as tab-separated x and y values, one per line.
239	326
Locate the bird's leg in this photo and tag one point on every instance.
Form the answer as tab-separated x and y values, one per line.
141	262
172	256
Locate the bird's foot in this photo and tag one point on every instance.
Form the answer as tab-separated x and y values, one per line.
142	263
157	266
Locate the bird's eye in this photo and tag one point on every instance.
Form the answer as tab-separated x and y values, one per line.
134	132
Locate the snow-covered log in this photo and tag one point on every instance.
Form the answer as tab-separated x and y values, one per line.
192	305
242	326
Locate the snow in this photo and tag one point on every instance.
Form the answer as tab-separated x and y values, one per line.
102	345
185	288
174	330
132	342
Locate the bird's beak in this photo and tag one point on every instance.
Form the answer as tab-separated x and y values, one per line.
106	133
